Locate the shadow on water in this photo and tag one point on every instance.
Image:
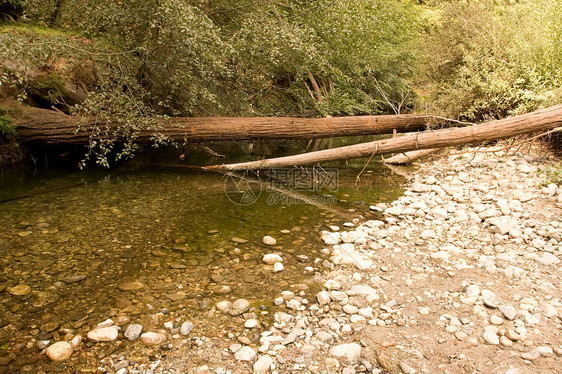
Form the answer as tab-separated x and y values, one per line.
83	246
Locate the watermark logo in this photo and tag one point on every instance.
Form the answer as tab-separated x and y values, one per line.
288	186
243	188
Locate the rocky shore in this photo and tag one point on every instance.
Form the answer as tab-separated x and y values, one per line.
461	274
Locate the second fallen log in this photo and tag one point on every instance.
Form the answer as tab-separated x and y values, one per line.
541	120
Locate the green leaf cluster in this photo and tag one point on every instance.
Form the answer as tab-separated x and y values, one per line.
490	59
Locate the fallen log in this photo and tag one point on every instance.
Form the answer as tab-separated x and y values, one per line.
540	120
409	157
41	126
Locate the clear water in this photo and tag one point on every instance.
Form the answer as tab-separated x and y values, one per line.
169	228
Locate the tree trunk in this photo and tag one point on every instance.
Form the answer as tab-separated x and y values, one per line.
409	157
540	120
315	87
41	126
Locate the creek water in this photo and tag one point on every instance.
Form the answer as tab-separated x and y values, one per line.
139	241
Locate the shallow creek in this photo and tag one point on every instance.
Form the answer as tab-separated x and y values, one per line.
145	241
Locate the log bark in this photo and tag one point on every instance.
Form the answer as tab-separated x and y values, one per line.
409	157
540	120
41	126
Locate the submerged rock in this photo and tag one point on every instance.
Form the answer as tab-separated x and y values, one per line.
104	334
133	332
239	307
20	290
268	240
272	258
131	286
186	328
153	338
60	351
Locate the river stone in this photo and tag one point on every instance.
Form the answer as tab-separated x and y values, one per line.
271	258
323	297
76	340
251	323
245	354
60	351
104	334
268	240
224	306
153	338
133	332
131	286
49	326
74	278
263	364
277	267
548	259
186	328
20	290
508	311
349	351
531	355
490	336
239	307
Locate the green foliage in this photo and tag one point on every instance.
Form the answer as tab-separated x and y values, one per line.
552	174
7	130
490	59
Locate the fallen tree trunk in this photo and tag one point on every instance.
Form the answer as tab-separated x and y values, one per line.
540	120
409	157
41	126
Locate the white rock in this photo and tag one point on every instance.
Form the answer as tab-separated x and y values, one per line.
331	238
105	334
349	351
277	267
407	369
224	306
272	258
186	328
245	354
239	306
549	310
531	355
153	338
133	332
263	364
251	323
490	336
472	290
362	290
548	259
76	340
532	320
331	284
508	311
524	168
323	297
545	351
60	351
495	320
108	322
268	240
